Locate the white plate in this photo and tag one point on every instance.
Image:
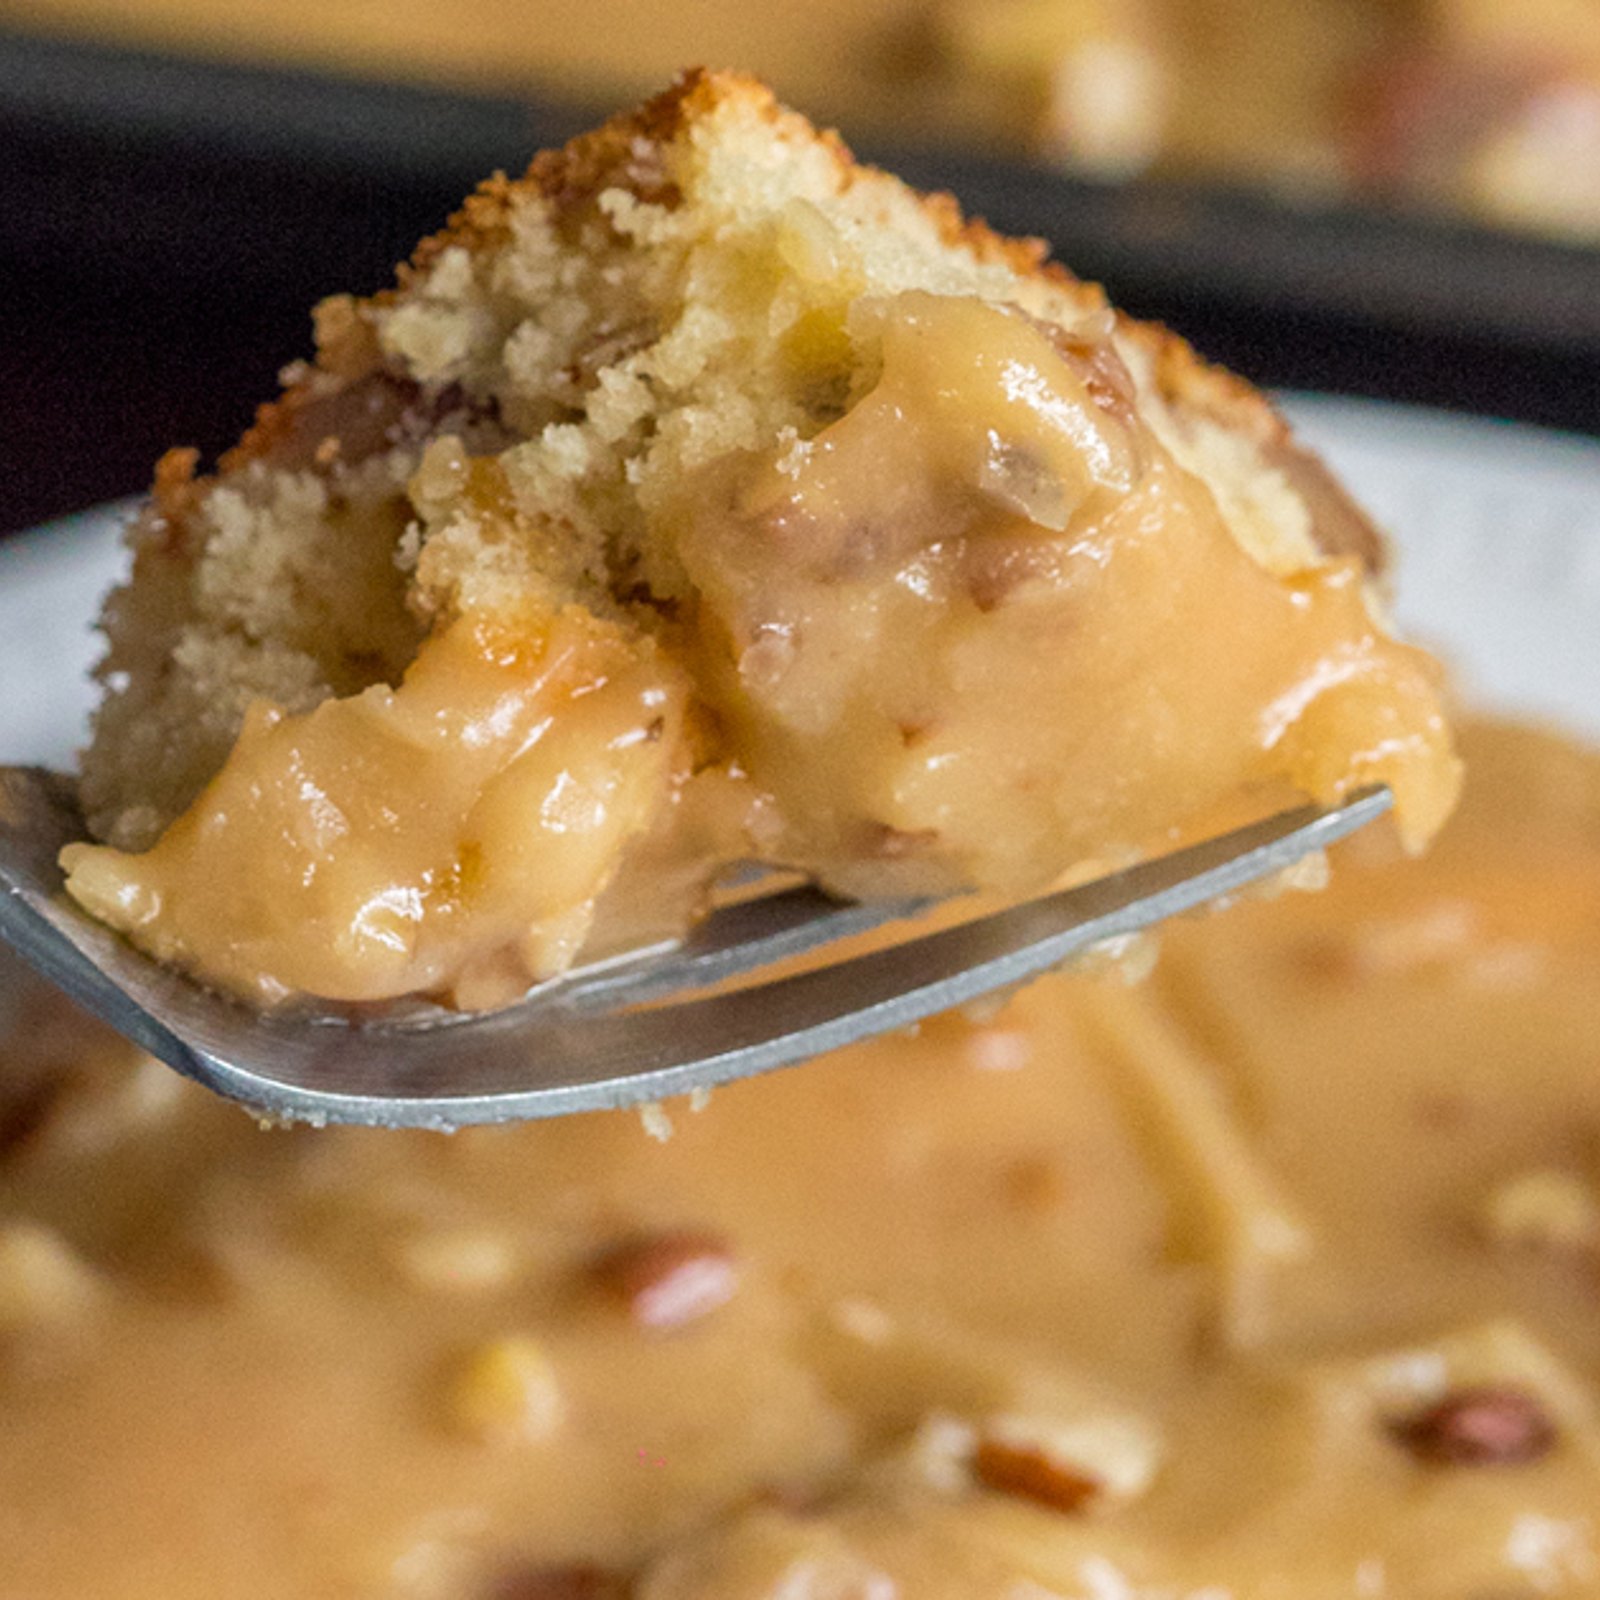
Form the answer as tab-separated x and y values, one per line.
1498	528
1497	534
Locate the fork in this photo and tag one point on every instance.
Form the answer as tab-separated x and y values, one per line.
628	1031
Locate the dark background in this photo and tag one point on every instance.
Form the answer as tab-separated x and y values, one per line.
165	228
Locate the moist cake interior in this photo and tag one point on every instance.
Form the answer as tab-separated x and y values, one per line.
704	496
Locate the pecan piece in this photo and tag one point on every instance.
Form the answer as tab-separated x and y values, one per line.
666	1280
1487	1426
1031	1473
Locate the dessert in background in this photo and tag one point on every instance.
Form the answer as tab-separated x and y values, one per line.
1471	106
1276	1274
1466	105
1241	89
705	497
1489	108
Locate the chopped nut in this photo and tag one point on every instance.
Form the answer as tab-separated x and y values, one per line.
507	1389
1131	956
1104	1457
42	1279
1015	477
982	1011
669	1279
769	656
1308	875
1031	1473
552	946
1547	1209
1431	937
578	1581
1479	1427
808	243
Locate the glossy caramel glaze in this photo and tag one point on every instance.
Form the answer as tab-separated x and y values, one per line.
1277	1275
985	628
448	835
980	631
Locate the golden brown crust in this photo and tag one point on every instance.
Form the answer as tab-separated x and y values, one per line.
1189	382
624	152
627	152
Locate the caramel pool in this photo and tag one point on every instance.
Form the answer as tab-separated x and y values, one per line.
1274	1276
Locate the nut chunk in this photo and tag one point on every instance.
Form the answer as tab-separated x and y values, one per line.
507	1390
1031	1473
671	1279
1096	1460
701	497
1480	1427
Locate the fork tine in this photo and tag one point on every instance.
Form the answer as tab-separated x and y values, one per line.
511	1064
734	939
543	1060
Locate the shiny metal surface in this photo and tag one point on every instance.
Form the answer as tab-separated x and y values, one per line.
616	1035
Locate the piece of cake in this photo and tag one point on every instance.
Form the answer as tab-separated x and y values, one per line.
704	496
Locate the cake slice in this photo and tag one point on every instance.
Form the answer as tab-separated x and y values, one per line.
704	496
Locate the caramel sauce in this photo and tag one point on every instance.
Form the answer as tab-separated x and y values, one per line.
979	632
1268	1276
986	620
448	836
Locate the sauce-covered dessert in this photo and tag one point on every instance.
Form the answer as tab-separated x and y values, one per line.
703	496
1487	109
1479	106
1276	1275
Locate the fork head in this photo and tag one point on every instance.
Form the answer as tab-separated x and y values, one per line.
632	1031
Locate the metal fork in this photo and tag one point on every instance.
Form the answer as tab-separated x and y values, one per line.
629	1031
